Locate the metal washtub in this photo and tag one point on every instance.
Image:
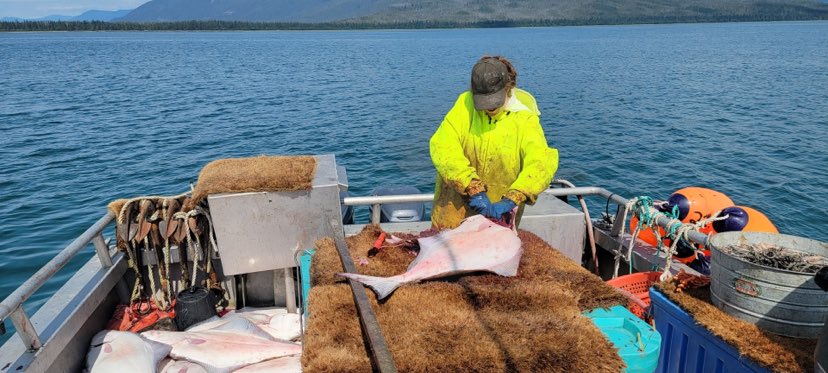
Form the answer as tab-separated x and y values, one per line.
776	300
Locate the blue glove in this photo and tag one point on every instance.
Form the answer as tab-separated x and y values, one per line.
480	202
497	210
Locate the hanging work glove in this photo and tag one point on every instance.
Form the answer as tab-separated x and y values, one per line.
497	210
480	202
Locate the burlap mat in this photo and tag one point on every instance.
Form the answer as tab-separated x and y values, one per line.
473	323
774	352
116	206
256	174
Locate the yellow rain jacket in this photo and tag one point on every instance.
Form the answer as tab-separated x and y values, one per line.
506	152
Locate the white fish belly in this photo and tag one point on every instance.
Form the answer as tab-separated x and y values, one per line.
223	351
477	245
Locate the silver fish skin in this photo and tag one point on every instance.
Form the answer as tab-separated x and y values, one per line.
478	244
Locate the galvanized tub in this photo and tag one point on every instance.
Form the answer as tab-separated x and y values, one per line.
776	300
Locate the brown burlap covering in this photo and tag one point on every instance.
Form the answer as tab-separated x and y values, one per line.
116	206
473	323
255	174
774	352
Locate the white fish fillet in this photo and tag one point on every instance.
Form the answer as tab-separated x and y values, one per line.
289	364
220	350
176	366
271	325
284	326
477	244
111	351
208	324
235	323
269	311
277	322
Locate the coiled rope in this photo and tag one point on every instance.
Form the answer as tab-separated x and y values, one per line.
132	250
643	208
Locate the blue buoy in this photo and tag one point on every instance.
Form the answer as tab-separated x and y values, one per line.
736	221
677	199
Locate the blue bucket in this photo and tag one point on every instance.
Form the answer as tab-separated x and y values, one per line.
637	342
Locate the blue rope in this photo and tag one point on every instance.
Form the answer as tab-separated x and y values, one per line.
642	210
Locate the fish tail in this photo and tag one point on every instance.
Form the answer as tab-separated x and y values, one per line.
383	286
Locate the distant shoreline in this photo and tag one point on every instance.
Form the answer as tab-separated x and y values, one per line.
12	26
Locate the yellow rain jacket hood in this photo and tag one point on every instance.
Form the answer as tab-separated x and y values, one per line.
505	152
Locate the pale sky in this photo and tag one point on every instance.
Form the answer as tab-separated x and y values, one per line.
42	8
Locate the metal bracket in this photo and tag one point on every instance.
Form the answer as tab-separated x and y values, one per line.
617	228
25	329
376	213
290	290
102	250
175	256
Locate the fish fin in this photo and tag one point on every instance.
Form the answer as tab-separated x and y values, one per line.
383	286
394	240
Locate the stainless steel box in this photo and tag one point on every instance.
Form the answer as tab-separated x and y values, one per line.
559	224
261	231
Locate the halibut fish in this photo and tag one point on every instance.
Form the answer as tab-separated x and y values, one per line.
259	338
288	364
179	366
112	350
478	244
222	351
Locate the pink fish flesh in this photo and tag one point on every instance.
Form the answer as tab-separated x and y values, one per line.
478	244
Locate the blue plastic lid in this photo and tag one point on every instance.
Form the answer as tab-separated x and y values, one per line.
637	342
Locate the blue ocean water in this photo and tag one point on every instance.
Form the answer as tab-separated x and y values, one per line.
89	117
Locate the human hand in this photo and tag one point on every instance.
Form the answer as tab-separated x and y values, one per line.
497	210
480	202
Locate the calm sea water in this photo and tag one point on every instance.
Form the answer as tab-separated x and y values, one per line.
641	110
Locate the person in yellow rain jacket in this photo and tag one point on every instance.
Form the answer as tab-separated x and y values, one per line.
490	151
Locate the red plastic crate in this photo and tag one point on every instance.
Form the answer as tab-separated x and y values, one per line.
639	285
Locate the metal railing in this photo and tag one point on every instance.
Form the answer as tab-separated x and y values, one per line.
376	201
11	307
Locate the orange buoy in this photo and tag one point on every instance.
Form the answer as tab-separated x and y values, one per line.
695	204
646	233
745	219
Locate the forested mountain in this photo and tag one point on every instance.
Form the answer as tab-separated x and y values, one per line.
477	11
89	15
101	15
309	11
599	11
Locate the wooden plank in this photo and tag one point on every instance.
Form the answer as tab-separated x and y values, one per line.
380	355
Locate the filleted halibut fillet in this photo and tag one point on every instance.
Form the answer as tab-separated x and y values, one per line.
477	244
